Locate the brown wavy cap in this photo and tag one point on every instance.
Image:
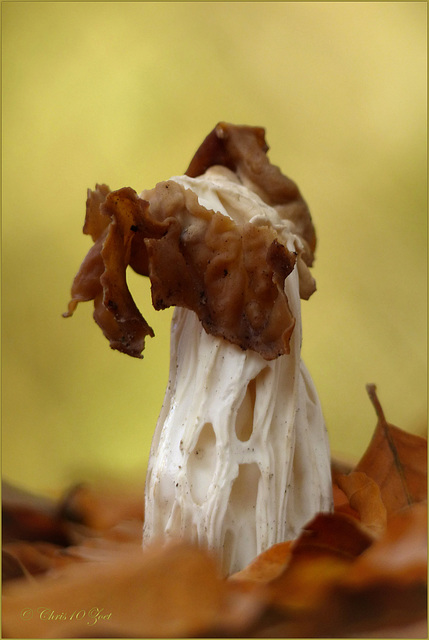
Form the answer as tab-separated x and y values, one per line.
243	149
231	275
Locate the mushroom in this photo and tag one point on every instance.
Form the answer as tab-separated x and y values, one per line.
240	456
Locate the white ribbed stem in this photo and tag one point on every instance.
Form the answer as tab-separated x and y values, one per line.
240	456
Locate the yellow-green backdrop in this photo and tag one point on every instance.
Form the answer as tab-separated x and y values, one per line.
123	93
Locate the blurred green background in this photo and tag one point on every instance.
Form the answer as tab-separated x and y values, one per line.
123	93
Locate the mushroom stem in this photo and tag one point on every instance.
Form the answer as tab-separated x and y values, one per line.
240	456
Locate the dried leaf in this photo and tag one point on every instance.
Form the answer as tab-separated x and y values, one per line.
11	567
320	556
399	556
324	592
335	531
341	502
167	591
365	498
29	517
387	585
397	461
37	557
103	507
267	566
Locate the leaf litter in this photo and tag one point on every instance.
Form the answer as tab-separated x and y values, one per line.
76	568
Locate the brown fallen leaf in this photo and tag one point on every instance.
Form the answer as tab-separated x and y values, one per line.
335	531
319	557
396	461
327	593
400	555
417	629
12	567
26	516
36	558
102	507
386	587
341	501
167	591
267	566
364	497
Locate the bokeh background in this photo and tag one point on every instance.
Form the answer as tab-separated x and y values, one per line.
123	93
